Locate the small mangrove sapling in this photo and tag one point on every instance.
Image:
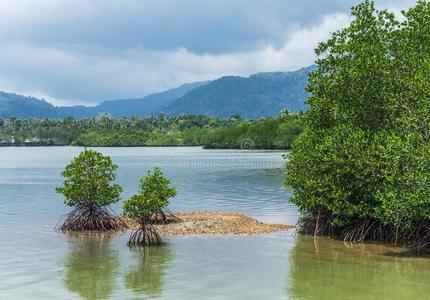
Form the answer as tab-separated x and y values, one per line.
144	207
88	188
156	185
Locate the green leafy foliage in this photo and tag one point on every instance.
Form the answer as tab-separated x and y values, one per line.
259	95
89	180
188	130
364	153
269	133
153	196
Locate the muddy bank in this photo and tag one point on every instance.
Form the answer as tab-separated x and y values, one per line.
213	223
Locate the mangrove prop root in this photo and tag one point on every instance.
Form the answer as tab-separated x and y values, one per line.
164	216
90	218
415	241
146	235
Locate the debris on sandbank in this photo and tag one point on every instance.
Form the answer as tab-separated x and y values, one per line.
209	222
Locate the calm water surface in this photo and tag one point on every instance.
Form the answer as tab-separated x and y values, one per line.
37	263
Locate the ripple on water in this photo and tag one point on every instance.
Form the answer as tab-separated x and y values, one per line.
37	263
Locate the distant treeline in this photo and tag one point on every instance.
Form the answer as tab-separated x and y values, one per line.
187	130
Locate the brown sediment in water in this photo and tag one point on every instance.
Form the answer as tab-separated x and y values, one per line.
226	223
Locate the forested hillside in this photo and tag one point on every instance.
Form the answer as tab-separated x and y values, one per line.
253	97
256	96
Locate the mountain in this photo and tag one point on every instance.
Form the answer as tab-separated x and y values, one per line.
22	107
259	95
25	107
256	96
149	105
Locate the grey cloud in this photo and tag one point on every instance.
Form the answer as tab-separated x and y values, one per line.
200	26
82	51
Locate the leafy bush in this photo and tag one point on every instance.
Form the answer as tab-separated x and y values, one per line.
88	187
88	180
153	196
360	169
149	205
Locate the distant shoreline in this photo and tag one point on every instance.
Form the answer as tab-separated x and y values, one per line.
113	146
144	146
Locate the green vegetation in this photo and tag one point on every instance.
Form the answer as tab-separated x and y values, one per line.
188	130
269	133
360	169
259	95
150	203
24	107
88	188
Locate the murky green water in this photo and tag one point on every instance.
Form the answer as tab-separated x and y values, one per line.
37	263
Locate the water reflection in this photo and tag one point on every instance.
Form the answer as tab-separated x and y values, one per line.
147	276
331	270
92	266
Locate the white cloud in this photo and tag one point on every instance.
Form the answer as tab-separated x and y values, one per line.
48	71
86	51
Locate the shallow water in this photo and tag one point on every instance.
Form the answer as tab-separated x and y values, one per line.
37	263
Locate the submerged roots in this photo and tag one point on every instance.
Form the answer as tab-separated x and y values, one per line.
416	241
146	235
90	218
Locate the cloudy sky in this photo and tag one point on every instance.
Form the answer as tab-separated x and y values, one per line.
85	51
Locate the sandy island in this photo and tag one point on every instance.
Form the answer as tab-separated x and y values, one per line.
213	223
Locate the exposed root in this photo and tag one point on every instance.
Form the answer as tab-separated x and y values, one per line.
145	235
360	232
415	242
420	240
318	225
90	218
164	216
